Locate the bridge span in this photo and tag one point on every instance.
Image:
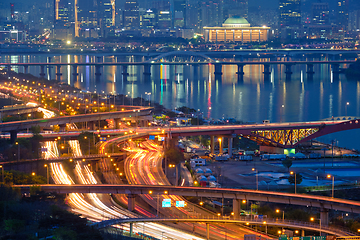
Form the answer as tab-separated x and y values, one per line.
323	203
242	220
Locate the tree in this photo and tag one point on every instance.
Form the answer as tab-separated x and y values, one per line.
291	179
287	163
174	155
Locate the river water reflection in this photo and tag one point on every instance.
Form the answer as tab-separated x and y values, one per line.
251	100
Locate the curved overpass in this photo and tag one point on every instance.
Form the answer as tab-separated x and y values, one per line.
21	125
238	194
269	222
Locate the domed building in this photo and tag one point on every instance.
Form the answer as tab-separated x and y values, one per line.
236	29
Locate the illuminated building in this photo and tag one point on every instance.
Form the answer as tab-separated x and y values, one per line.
131	16
236	29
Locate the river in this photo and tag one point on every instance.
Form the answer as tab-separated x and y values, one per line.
250	100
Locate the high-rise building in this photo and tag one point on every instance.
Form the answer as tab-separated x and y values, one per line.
147	19
164	13
211	13
179	13
62	12
320	14
343	14
236	8
290	13
131	16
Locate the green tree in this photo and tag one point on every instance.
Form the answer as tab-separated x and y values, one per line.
291	179
287	163
174	155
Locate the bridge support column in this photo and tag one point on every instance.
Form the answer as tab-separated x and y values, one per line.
218	69
62	127
212	144
131	202
124	71
26	69
8	69
240	69
335	68
288	71
75	73
207	231
195	70
302	233
310	69
117	122
230	144
236	208
97	72
324	216
221	148
42	71
288	68
131	229
147	69
266	69
13	136
58	73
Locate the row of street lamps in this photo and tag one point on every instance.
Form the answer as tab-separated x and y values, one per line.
294	173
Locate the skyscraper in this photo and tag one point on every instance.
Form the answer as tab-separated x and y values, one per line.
320	13
289	19
131	17
290	13
62	12
343	14
179	13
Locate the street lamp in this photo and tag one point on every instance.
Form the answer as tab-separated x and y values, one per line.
149	95
294	173
313	219
257	178
347	104
89	143
47	173
2	173
332	189
283	216
17	143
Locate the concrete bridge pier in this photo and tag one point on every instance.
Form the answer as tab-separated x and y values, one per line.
288	69
8	69
335	68
207	231
218	69
13	136
240	69
62	127
131	202
131	229
236	207
324	216
267	69
26	69
196	70
92	125
125	72
75	73
230	144
117	122
310	69
58	73
212	144
221	145
42	71
147	69
97	72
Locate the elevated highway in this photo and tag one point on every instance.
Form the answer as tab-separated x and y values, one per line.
14	127
235	194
